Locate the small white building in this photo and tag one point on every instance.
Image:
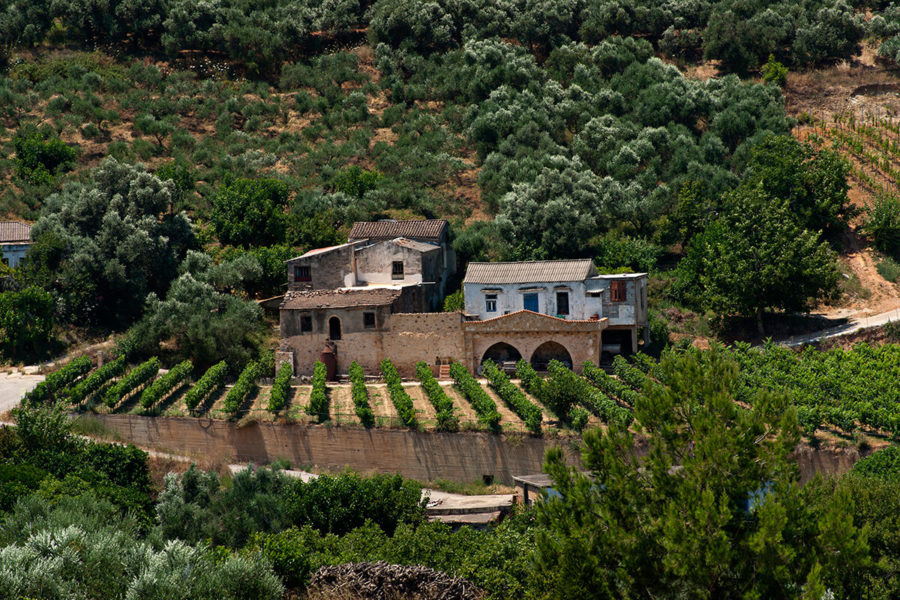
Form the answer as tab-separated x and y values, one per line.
567	289
15	240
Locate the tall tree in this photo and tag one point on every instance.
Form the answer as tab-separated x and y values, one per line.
102	246
813	182
755	257
713	509
250	212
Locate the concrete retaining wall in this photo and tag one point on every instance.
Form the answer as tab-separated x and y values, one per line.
462	457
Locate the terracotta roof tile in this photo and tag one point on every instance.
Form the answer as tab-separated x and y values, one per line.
425	230
344	298
12	232
534	271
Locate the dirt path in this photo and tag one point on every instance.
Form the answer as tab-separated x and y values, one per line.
425	413
342	409
384	410
463	409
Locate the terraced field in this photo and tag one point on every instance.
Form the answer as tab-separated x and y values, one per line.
341	410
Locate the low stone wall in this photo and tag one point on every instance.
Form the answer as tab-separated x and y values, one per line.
462	457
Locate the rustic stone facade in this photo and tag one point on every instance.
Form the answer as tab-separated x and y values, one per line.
438	338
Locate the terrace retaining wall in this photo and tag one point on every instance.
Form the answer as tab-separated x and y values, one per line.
461	457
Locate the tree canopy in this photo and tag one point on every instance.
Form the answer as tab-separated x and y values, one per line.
673	521
755	257
100	247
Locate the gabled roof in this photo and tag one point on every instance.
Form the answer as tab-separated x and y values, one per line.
533	271
428	230
343	298
13	232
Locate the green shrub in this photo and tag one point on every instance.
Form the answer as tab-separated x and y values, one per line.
135	378
774	72
361	395
281	387
401	400
243	387
609	385
566	389
318	399
889	269
58	380
443	405
40	156
96	380
882	223
532	382
513	396
884	464
615	253
484	407
627	373
212	380
172	380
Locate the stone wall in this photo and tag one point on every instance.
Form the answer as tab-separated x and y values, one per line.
328	270
424	336
462	457
408	338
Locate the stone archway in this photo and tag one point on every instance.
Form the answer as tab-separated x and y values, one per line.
548	351
501	352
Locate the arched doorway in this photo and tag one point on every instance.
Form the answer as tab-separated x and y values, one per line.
334	328
548	351
503	354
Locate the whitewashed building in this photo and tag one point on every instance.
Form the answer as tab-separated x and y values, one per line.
15	240
566	289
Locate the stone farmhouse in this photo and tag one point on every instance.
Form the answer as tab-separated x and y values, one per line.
377	297
15	240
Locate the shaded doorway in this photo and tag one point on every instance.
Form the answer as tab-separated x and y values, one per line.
334	328
548	351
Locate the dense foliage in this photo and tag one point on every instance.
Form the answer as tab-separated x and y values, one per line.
26	323
513	396
445	413
841	388
574	416
610	385
399	397
360	393
484	407
565	389
636	526
207	322
714	508
100	247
